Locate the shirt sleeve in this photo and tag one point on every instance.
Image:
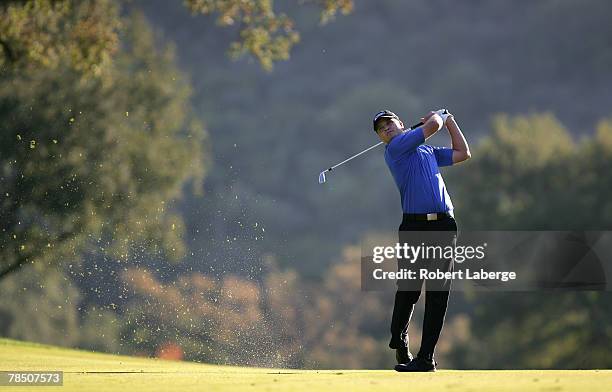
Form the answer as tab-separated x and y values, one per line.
406	141
444	156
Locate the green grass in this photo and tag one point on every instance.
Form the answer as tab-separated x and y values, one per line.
87	371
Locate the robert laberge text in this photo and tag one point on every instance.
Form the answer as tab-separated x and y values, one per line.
423	273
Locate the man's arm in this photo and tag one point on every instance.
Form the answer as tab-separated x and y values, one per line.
461	150
432	124
410	140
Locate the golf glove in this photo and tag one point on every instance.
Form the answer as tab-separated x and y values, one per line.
444	114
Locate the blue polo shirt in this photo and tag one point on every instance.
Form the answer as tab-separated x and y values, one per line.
415	168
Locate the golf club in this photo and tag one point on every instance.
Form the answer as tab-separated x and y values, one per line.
322	177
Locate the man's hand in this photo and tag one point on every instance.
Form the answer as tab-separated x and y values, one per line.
444	114
447	117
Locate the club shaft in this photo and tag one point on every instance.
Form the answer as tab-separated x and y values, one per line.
366	150
355	156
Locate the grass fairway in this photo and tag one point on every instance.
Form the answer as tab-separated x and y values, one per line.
86	371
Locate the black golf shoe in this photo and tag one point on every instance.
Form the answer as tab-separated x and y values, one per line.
417	365
403	355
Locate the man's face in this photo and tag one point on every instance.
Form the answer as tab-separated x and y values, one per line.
388	128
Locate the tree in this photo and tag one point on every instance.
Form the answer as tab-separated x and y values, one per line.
96	137
537	177
40	306
85	34
264	34
521	162
231	320
82	35
96	162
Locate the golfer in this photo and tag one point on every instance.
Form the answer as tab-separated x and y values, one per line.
426	207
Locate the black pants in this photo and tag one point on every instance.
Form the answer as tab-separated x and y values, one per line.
436	291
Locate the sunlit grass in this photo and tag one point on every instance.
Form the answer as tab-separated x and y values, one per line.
87	371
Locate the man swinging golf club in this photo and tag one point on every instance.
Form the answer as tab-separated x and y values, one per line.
426	207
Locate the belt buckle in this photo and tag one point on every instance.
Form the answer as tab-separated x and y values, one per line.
432	216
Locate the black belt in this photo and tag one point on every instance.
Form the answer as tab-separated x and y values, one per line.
428	217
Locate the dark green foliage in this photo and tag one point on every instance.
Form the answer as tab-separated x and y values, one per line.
81	35
96	162
530	175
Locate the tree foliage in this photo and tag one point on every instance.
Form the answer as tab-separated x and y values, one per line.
85	34
535	174
82	35
529	174
96	162
265	34
231	320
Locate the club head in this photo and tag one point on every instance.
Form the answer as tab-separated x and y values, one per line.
322	177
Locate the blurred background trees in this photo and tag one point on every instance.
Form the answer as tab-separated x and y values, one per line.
126	227
96	162
81	35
